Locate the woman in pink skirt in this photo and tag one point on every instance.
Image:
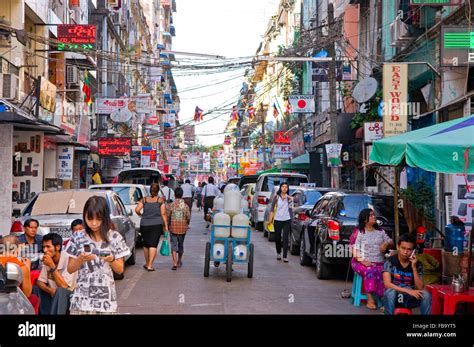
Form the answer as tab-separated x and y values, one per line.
369	245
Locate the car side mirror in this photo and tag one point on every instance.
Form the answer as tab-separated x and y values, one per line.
16	212
14	275
308	213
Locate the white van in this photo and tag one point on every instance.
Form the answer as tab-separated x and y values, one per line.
263	189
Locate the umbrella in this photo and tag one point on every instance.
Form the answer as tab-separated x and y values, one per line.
445	148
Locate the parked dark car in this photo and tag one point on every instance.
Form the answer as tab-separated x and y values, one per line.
233	180
304	200
324	240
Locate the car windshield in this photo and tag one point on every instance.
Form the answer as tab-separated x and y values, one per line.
312	197
383	206
269	182
353	204
129	195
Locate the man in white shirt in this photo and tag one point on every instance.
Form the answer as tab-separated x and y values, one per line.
167	193
209	192
188	193
55	284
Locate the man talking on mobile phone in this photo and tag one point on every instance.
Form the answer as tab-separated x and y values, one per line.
403	279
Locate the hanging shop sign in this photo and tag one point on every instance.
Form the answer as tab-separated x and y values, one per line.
115	146
395	96
76	36
65	162
281	151
434	3
463	199
47	95
373	131
281	137
301	103
333	152
457	45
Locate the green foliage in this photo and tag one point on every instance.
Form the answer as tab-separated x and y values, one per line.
422	197
372	112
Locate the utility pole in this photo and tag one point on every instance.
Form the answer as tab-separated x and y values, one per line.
335	171
264	146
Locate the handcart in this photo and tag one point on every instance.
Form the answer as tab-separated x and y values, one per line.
230	243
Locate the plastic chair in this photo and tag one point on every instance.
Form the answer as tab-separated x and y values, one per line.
400	311
357	295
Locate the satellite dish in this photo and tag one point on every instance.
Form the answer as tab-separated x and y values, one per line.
121	115
365	89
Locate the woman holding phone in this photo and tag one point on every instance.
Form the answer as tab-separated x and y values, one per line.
96	253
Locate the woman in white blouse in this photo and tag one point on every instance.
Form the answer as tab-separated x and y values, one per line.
282	211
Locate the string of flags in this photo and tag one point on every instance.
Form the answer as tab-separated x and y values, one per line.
235	114
86	89
198	114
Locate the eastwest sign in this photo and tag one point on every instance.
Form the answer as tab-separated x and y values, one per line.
395	96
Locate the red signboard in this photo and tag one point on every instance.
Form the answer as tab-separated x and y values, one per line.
115	146
77	33
149	153
281	137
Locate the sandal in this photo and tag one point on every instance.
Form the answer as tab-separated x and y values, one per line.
174	267
150	269
371	306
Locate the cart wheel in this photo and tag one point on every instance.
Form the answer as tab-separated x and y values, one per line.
217	263
250	265
207	259
229	262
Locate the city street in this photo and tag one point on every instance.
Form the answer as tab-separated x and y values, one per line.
276	288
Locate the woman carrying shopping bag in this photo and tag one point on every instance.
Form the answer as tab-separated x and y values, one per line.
282	213
152	223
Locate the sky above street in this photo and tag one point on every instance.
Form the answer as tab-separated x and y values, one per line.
227	28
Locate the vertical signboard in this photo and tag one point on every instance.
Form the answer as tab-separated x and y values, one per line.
65	162
395	90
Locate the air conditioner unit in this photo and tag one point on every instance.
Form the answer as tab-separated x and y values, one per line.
72	74
10	87
399	35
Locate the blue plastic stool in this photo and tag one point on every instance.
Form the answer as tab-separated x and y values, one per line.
356	293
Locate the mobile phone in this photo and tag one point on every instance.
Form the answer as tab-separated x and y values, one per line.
413	254
87	248
104	252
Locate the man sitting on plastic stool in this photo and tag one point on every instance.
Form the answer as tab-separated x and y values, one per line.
403	279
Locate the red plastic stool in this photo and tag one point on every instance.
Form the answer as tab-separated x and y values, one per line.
402	311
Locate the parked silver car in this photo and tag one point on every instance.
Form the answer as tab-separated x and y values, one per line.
56	210
130	194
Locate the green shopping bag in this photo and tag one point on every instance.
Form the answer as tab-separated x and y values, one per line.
165	246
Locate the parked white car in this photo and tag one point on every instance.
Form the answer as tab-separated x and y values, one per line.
263	189
130	194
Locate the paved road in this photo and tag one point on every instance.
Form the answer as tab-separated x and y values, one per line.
276	288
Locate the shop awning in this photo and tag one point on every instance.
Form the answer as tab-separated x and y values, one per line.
298	163
445	147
